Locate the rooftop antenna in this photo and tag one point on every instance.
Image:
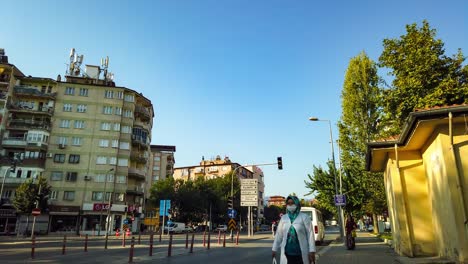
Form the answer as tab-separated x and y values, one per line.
75	63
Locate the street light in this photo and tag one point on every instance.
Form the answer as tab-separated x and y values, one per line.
103	197
109	205
314	119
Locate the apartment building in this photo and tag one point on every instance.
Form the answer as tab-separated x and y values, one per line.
89	138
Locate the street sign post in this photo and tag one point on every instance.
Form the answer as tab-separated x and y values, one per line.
340	200
164	206
232	224
232	213
249	192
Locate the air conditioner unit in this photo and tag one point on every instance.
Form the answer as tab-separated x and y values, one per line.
87	178
50	155
62	146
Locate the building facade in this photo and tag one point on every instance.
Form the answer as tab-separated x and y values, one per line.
89	138
425	172
277	200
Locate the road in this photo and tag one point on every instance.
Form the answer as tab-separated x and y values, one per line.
49	250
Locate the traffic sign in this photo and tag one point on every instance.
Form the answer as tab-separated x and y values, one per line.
36	212
340	199
125	221
249	192
232	213
164	206
232	224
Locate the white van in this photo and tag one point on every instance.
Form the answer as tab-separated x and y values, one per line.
318	226
175	227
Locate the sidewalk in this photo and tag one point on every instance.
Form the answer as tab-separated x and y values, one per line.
369	249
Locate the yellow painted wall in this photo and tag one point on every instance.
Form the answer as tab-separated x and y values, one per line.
443	166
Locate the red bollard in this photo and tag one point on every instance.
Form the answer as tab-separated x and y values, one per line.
204	235
169	249
209	240
33	246
123	241
132	245
64	244
151	245
86	243
191	246
219	237
237	239
224	240
186	240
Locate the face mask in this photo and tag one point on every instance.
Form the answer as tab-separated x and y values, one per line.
291	208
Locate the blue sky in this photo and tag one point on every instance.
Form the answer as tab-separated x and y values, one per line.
230	78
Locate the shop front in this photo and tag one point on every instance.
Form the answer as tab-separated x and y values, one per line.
63	219
7	221
96	216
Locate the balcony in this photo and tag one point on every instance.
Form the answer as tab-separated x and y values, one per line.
22	108
137	174
139	141
27	124
135	190
4	79
3	95
21	142
28	162
25	91
138	158
142	112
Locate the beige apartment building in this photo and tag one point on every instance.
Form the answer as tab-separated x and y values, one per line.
161	164
88	137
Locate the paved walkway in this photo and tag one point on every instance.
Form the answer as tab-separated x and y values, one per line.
369	249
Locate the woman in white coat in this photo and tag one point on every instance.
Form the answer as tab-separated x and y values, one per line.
294	235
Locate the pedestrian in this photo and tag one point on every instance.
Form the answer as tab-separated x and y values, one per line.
273	229
294	236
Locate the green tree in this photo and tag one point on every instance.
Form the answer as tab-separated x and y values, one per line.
423	75
322	185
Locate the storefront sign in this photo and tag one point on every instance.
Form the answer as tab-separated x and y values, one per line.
63	209
100	206
7	213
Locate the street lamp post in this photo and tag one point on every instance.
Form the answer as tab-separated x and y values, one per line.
334	168
103	198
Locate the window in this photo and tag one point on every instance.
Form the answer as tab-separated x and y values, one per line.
126	129
121	179
67	107
71	176
128	113
56	176
157	158
120	95
109	94
105	126
118	110
97	196
100	178
69	195
79	124
81	108
77	141
156	178
104	143
107	110
124	145
119	197
156	168
123	162
59	158
83	92
53	195
65	123
72	158
101	160
62	140
115	143
116	126
113	160
129	98
110	178
70	90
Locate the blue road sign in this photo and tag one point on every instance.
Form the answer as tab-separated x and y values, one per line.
340	199
164	206
125	221
232	213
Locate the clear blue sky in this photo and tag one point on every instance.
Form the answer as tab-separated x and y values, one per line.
237	78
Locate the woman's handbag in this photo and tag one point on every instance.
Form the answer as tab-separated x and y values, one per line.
353	233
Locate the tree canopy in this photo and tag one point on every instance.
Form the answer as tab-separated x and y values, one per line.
27	194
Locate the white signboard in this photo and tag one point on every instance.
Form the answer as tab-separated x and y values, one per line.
249	192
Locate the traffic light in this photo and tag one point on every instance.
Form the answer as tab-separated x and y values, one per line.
280	163
229	203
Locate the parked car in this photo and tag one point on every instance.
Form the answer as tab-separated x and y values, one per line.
188	229
264	228
175	227
222	228
317	223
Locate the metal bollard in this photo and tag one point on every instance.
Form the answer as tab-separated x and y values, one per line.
64	244
209	240
123	241
169	249
204	235
139	238
224	240
33	246
160	235
86	243
191	246
237	239
219	237
132	245
151	245
186	240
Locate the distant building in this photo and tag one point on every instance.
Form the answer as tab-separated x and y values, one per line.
277	200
